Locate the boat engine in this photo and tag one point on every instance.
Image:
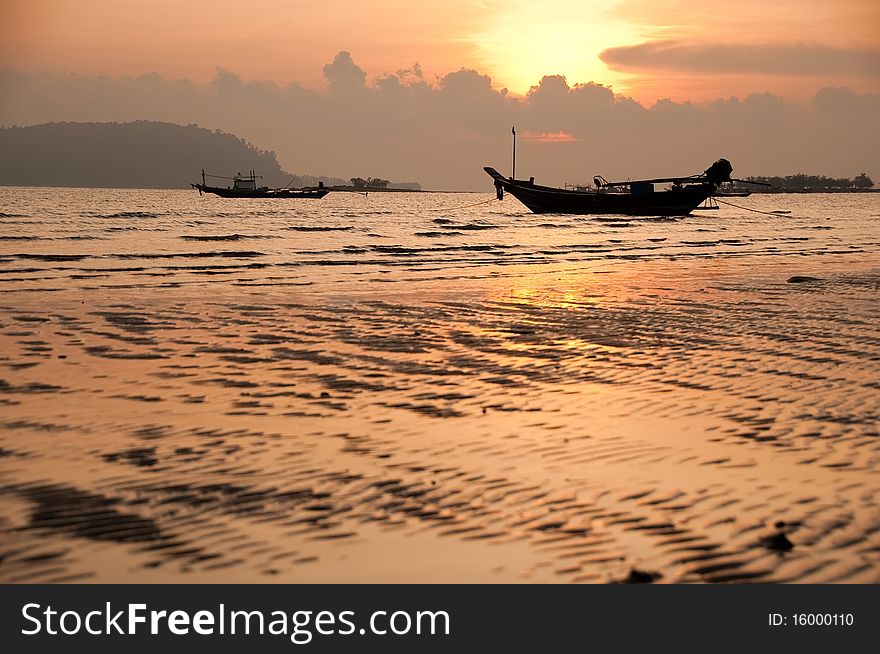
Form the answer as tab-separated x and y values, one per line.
719	172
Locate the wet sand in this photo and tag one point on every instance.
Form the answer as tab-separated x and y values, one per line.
349	392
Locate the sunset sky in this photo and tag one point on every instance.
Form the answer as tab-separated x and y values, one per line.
341	88
646	49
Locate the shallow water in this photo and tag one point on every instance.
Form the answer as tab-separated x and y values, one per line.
400	387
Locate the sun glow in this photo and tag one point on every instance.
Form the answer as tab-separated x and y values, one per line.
526	41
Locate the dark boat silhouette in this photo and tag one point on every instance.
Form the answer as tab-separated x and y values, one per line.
632	198
246	187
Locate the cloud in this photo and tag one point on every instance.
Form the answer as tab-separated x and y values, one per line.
441	132
343	72
548	137
804	59
467	82
411	74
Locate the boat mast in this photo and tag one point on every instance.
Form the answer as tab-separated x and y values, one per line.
513	131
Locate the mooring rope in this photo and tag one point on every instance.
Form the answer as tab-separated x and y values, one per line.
766	213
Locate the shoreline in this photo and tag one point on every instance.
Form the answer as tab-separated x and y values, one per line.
335	189
349	189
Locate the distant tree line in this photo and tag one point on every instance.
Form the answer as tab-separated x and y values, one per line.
805	183
369	182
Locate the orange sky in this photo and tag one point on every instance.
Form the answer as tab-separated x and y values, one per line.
647	49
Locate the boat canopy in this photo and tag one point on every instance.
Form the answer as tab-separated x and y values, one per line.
244	183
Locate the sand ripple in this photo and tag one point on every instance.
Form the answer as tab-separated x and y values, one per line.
584	400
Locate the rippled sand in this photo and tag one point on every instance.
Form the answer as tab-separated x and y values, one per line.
380	389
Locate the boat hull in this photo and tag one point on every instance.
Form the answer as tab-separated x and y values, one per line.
281	193
544	199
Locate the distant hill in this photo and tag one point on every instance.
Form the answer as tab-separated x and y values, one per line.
140	154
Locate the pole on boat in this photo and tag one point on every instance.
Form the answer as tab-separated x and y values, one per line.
513	131
203	177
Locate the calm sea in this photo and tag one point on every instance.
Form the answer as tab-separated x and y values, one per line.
130	235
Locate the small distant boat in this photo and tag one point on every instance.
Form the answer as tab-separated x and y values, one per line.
731	191
246	187
632	198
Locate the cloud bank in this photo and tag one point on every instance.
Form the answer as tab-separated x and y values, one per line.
440	133
756	58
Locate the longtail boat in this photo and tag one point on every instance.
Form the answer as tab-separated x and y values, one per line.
245	186
632	197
